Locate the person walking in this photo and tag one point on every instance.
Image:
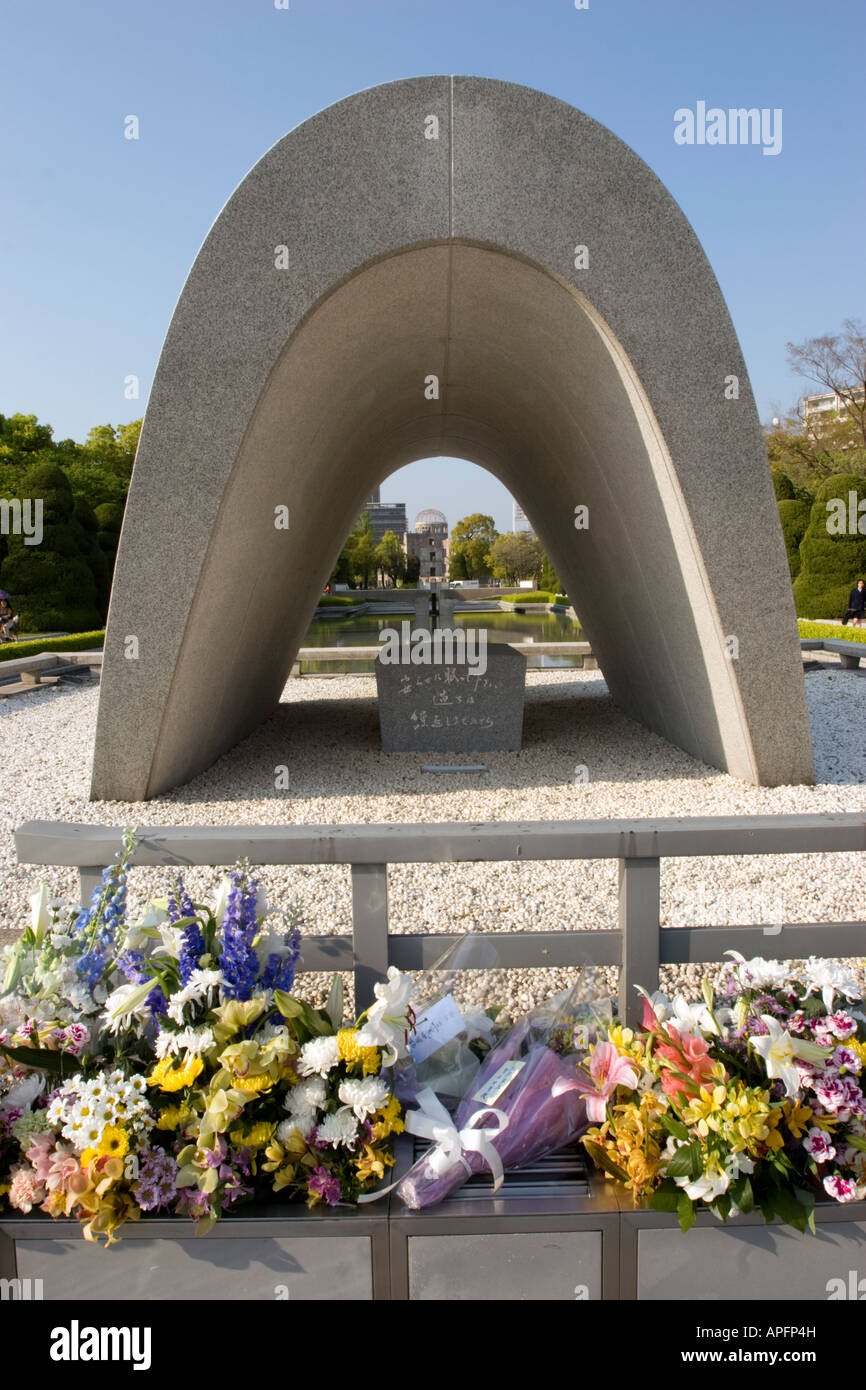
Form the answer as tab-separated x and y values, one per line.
856	604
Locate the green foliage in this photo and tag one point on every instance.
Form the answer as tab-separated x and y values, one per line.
782	485
534	596
839	634
337	601
830	564
21	436
53	584
390	558
515	556
413	572
360	551
471	541
75	642
548	578
794	516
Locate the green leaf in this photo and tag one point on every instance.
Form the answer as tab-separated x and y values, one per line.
601	1160
722	1205
665	1199
61	1063
288	1007
674	1127
743	1194
856	1141
685	1212
687	1162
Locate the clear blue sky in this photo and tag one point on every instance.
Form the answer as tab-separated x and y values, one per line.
97	233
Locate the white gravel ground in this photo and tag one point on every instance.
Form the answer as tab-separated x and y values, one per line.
326	732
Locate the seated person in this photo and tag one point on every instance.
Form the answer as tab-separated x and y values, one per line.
8	620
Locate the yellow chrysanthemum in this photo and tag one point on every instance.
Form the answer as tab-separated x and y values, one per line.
257	1137
387	1120
174	1117
169	1077
351	1051
252	1083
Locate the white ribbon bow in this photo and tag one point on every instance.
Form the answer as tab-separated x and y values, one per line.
432	1121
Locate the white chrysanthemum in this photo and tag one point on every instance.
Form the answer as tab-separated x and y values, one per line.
319	1056
340	1130
286	1128
306	1095
127	1005
196	989
365	1096
192	1041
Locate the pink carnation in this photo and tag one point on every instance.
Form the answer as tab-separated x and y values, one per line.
25	1190
41	1152
841	1023
843	1189
818	1145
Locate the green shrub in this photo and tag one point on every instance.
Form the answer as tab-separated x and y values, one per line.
830	564
794	516
782	485
52	584
337	601
74	642
841	634
535	596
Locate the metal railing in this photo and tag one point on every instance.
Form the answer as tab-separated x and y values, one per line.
638	946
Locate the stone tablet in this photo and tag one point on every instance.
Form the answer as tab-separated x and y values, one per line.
446	709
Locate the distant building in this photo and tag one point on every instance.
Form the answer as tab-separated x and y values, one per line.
429	541
519	520
385	516
826	405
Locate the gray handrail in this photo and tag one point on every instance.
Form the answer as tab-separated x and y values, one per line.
638	946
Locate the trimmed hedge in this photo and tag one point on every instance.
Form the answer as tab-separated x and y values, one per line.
52	584
536	596
75	642
830	565
839	634
337	601
794	516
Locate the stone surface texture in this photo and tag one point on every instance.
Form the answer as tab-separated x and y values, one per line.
445	708
304	387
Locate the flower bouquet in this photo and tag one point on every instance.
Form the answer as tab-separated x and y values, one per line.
166	1067
512	1114
452	1031
753	1098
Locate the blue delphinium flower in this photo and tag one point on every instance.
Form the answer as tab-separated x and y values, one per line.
279	973
192	948
96	925
239	962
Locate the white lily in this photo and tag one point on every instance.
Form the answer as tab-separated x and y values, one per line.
126	1005
831	978
41	917
694	1017
387	1023
780	1049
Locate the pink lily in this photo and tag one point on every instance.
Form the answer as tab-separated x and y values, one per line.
608	1069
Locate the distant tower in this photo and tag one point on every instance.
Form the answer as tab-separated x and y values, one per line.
373	499
519	520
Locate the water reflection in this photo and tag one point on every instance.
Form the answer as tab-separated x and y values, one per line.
363	631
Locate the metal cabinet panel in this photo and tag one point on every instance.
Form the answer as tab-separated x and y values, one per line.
751	1263
523	1265
323	1268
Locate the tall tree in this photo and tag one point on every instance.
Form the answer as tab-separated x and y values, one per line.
471	541
515	556
390	557
361	550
